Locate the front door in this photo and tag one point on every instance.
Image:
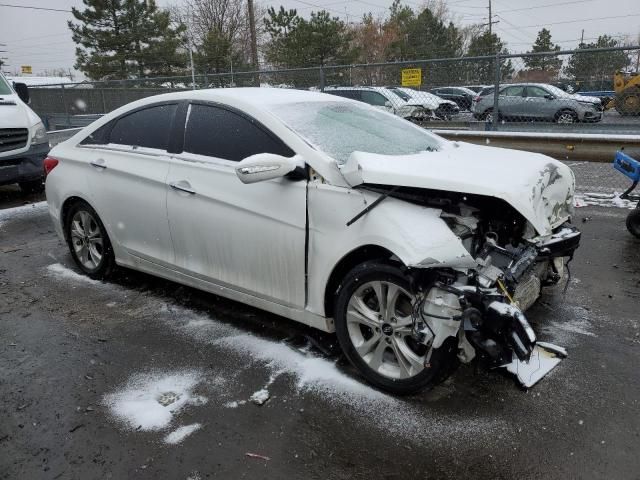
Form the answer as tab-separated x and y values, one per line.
247	237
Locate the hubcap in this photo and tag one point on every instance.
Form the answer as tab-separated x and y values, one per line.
565	118
380	328
86	239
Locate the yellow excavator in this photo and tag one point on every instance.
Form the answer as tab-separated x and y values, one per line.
627	88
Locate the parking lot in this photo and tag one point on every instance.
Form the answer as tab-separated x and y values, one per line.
85	365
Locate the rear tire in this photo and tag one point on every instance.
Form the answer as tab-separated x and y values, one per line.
88	241
32	186
633	223
377	340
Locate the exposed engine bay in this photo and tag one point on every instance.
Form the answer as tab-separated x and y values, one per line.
482	307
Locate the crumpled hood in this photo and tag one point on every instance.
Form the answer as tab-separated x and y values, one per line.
585	98
15	114
537	186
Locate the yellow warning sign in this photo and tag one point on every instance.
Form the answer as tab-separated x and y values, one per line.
26	69
411	77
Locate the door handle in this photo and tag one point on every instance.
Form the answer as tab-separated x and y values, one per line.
182	186
99	163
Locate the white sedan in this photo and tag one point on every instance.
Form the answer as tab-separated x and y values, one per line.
418	252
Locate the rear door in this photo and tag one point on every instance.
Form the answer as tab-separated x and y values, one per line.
512	102
248	237
128	163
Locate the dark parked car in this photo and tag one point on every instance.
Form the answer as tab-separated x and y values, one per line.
462	96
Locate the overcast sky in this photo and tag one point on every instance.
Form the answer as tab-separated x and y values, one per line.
41	38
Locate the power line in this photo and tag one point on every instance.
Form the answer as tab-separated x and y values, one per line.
545	6
28	7
576	21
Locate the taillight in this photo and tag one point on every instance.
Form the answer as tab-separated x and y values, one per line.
477	99
49	164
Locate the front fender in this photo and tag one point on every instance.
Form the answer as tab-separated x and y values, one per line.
416	235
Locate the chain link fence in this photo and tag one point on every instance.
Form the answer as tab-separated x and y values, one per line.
579	91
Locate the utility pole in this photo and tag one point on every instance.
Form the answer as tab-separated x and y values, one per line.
582	37
491	20
252	33
190	43
490	17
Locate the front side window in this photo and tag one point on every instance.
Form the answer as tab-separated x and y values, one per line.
150	127
373	98
537	92
220	133
341	128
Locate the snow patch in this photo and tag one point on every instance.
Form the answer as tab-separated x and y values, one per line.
60	271
235	403
22	211
179	434
602	200
260	397
150	401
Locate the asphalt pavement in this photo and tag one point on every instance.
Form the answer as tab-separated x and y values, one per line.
139	377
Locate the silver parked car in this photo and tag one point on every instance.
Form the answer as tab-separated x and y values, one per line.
538	101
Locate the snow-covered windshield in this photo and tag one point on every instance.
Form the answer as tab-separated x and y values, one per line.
4	87
341	128
401	94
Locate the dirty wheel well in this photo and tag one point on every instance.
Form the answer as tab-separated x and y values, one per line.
347	263
66	207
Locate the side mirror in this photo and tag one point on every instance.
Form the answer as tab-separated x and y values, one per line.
23	91
265	166
388	104
548	96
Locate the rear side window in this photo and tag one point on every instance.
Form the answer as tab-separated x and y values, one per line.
217	132
373	98
353	94
148	128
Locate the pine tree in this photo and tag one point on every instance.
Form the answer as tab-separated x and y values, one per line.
483	71
548	63
297	42
126	39
594	70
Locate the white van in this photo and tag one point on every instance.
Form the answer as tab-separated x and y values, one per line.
23	139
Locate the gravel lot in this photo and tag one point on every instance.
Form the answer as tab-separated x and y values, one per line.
84	365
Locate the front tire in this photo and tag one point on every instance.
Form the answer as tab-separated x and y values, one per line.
374	326
566	117
88	241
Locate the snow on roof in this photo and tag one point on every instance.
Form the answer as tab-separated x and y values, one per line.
39	81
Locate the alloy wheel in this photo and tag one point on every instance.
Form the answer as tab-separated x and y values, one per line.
86	239
380	327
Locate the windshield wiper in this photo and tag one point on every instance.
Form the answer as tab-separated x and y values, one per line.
373	205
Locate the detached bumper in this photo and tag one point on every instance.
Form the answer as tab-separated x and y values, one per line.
24	167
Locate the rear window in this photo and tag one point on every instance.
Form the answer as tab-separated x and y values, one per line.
149	128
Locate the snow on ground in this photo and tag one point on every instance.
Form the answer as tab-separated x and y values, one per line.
63	273
22	211
180	433
602	200
150	401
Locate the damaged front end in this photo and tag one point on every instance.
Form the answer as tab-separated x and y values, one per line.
483	307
